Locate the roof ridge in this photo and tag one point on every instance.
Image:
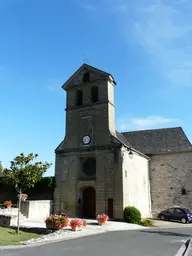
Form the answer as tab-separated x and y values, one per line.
100	70
163	140
88	66
156	129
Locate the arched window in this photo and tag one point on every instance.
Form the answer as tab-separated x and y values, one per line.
86	77
94	94
79	98
89	167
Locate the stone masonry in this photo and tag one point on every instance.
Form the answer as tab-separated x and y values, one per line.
171	179
101	170
96	120
170	165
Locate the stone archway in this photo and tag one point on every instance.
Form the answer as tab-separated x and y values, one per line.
89	203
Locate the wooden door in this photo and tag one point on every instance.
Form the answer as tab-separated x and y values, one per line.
110	208
89	203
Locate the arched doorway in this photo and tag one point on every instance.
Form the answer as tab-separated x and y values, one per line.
89	203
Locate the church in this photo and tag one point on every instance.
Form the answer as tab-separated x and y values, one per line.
100	170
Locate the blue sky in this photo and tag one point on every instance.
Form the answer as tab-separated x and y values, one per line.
144	44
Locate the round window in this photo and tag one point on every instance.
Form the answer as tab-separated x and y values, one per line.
89	167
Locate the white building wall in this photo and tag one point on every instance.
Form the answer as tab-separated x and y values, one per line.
136	183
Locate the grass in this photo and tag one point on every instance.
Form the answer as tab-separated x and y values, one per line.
146	223
9	236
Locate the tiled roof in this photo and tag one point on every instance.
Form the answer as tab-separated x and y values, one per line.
122	139
158	141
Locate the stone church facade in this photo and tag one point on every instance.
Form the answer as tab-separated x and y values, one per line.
99	170
170	165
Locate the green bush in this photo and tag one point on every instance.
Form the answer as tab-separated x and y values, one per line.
146	223
132	215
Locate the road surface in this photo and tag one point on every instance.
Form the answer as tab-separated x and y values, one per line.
153	242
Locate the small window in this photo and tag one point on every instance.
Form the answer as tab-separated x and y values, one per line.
125	174
79	98
183	192
94	94
86	77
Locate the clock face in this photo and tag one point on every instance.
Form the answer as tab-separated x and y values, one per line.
86	140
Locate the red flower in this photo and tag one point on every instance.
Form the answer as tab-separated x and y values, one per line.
8	203
102	218
76	223
58	220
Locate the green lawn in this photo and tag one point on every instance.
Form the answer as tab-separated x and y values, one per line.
9	237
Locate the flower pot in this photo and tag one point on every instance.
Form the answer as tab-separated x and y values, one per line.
80	228
52	226
101	222
8	206
102	218
74	229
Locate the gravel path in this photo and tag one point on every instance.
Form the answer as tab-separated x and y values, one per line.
92	229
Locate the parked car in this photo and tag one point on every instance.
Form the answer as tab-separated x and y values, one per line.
177	214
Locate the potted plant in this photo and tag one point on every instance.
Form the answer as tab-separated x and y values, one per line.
23	197
102	218
57	222
77	224
8	204
84	223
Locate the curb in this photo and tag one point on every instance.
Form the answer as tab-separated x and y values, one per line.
184	249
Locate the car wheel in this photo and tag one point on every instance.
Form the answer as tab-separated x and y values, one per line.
183	220
161	217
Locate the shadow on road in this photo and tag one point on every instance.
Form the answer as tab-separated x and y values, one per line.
165	233
93	223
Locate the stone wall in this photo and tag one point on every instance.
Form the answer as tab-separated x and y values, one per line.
136	183
69	185
6	220
8	211
34	210
171	177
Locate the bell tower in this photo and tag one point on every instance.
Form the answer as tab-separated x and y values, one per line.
88	167
90	109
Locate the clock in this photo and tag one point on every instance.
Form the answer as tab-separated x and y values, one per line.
86	140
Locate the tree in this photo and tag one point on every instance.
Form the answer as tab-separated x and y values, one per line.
1	168
24	172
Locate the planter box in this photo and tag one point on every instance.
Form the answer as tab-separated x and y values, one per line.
76	229
52	226
101	223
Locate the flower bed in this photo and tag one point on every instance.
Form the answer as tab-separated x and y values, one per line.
56	222
102	218
77	224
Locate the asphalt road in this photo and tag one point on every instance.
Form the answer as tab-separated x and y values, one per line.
154	242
